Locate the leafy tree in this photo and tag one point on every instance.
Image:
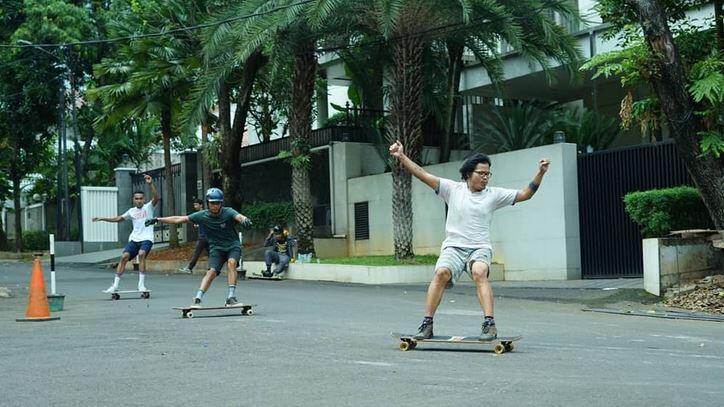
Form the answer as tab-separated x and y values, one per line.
682	67
227	75
290	30
28	106
270	99
151	76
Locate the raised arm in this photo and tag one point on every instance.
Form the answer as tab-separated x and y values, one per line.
175	220
398	152
527	192
111	219
155	198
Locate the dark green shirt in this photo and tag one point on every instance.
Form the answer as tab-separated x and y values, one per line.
219	229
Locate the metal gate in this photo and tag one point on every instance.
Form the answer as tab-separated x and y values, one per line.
99	201
610	241
139	184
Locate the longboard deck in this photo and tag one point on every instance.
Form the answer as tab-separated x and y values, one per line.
188	312
116	295
259	276
500	344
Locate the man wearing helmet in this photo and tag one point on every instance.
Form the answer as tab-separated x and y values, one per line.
224	244
279	252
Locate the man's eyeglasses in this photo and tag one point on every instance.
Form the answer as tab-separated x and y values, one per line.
484	174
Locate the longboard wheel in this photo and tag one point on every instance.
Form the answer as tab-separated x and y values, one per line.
509	346
404	346
145	295
247	312
189	315
115	296
499	348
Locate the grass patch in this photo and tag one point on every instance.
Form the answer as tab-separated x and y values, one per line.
380	260
26	255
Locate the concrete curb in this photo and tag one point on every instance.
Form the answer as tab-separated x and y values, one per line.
328	272
692	316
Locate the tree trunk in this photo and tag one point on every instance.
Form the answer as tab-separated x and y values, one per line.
16	178
166	134
205	167
300	130
232	135
3	236
454	71
670	86
405	125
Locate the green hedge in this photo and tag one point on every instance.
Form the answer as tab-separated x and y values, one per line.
659	211
267	214
35	240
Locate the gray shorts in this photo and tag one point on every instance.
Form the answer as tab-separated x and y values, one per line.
219	257
459	260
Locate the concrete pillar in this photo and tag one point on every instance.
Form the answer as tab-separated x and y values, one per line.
125	195
190	176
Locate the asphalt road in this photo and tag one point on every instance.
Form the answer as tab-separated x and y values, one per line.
326	344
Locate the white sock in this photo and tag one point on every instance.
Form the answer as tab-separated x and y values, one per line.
141	279
116	281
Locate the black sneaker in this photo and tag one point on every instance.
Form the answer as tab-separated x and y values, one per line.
425	330
232	302
196	303
488	331
266	273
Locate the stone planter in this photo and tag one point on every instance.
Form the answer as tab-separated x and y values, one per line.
672	261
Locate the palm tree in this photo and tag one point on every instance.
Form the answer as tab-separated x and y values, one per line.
279	30
226	77
525	25
149	77
411	26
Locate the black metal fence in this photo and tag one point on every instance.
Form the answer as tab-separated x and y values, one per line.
139	184
610	241
320	137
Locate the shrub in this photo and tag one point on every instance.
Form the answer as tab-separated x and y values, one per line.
35	240
659	211
267	214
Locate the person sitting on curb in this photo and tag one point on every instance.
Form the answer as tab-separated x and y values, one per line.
201	244
279	252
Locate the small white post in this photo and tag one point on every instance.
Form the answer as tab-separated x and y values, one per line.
52	264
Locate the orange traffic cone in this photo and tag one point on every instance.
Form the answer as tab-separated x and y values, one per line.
38	308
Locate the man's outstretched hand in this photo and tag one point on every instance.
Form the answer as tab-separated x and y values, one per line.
151	221
246	222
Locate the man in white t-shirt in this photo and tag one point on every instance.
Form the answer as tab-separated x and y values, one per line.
141	239
467	246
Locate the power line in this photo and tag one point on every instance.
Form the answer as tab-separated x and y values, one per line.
158	34
454	27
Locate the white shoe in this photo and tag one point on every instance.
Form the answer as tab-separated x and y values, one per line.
185	270
110	289
142	288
